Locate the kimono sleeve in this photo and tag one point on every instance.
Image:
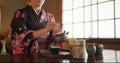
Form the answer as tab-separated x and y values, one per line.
18	26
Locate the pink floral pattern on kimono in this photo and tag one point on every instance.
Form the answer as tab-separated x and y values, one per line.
22	35
19	45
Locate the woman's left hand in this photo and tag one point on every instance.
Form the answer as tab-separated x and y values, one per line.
57	29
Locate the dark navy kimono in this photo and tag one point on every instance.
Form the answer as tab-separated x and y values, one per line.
24	23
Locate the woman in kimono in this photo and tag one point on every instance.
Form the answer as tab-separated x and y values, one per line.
32	25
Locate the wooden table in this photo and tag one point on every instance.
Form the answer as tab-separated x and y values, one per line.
108	56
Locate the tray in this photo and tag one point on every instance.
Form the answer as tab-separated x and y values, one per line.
47	53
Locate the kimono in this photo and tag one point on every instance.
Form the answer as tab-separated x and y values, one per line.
23	24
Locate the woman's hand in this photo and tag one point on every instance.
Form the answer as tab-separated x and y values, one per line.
50	26
57	29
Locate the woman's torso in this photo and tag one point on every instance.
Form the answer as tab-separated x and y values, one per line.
29	21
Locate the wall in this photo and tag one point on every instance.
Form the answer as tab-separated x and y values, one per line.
53	7
9	6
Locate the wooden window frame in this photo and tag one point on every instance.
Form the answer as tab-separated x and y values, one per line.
106	41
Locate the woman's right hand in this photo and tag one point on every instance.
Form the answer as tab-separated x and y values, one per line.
50	26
